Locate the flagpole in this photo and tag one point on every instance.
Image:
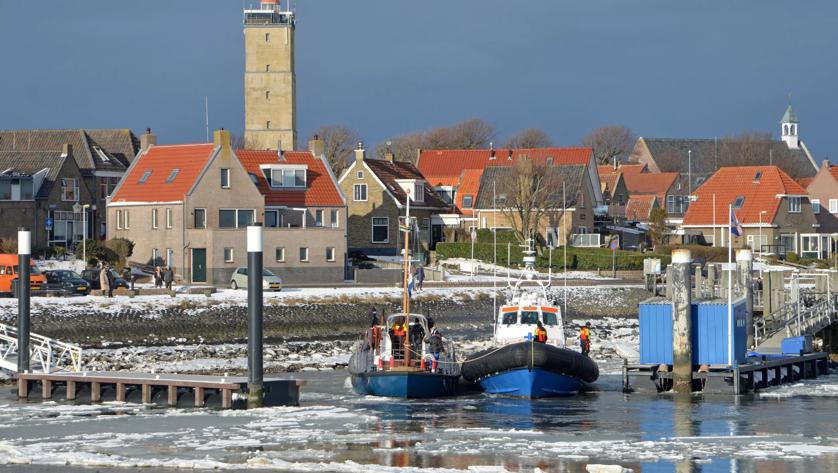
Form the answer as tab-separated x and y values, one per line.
730	286
715	244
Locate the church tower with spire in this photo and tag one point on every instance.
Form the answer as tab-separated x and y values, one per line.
788	129
270	102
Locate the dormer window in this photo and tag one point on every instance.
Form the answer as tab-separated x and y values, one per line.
286	176
418	192
102	155
757	176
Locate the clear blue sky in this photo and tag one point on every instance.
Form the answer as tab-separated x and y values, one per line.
384	67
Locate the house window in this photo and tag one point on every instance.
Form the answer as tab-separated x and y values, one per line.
172	176
285	177
303	254
267	68
228	254
318	218
816	206
267	37
280	254
359	175
69	190
833	206
106	186
235	218
268	125
200	218
380	229
360	192
330	253
119	220
468	201
334	218
144	177
127	220
788	243
225	178
155	257
267	95
737	204
153	218
168	218
271	218
757	176
418	192
794	205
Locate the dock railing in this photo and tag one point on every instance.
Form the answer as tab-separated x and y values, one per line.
47	353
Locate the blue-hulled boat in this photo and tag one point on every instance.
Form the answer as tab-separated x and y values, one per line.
519	366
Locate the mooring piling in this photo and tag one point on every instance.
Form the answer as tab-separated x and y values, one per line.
744	269
681	321
255	392
24	252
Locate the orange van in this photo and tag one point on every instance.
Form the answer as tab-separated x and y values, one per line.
8	273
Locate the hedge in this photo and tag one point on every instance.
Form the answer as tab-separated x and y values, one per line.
577	258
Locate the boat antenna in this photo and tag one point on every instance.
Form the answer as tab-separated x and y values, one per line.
405	292
564	232
494	262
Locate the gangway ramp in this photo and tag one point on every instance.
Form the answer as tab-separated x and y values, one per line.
46	354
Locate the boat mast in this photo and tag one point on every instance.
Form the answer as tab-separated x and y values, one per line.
405	292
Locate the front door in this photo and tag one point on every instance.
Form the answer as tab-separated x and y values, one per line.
199	265
436	236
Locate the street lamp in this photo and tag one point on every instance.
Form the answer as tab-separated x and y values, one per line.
760	229
690	171
78	208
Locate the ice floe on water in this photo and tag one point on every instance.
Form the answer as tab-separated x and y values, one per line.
825	386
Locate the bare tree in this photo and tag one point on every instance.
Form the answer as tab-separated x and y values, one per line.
657	226
470	134
527	190
338	145
529	138
610	142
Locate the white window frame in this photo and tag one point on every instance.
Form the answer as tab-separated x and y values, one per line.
795	205
205	217
231	258
236	213
359	175
330	249
355	192
127	222
335	216
155	256
224	172
74	188
304	259
816	206
281	251
833	206
119	220
372	229
169	218
470	201
154	218
319	215
418	192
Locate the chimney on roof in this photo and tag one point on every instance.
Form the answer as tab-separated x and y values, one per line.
147	140
388	154
509	157
359	152
317	146
615	163
825	164
491	151
221	138
67	150
281	154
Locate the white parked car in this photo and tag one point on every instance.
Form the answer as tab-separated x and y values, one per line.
270	281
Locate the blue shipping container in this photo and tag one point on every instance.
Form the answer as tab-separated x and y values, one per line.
796	345
709	332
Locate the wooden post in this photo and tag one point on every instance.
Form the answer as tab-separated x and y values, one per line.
711	280
95	391
146	393
226	398
172	396
120	392
699	279
199	397
71	390
744	269
46	389
22	388
681	289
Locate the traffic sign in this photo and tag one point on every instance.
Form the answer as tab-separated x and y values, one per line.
613	245
48	224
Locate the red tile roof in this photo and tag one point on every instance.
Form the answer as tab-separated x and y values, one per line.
649	183
640	206
440	181
161	161
321	190
452	162
728	183
469	184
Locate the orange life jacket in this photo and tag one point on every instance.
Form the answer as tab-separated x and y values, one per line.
585	334
540	335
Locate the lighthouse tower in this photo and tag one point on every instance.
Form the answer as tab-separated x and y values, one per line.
269	78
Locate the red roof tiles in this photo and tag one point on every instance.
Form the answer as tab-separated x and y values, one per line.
453	162
640	206
649	183
321	190
728	183
469	184
160	161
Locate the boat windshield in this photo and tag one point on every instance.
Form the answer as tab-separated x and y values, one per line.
529	317
550	319
510	318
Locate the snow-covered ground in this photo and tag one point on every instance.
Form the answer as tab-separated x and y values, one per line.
461	271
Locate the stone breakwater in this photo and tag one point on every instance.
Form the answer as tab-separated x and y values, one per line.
189	322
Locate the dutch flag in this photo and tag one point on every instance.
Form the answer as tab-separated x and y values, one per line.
735	226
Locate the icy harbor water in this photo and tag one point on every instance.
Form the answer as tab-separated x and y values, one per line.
784	430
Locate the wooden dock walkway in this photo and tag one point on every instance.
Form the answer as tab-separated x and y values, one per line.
173	390
755	375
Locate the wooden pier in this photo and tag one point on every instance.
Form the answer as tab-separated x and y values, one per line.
172	390
761	373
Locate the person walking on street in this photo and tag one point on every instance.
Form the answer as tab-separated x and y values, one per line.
105	281
158	276
169	277
585	338
420	277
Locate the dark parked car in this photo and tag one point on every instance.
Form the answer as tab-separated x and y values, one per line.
66	280
92	277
